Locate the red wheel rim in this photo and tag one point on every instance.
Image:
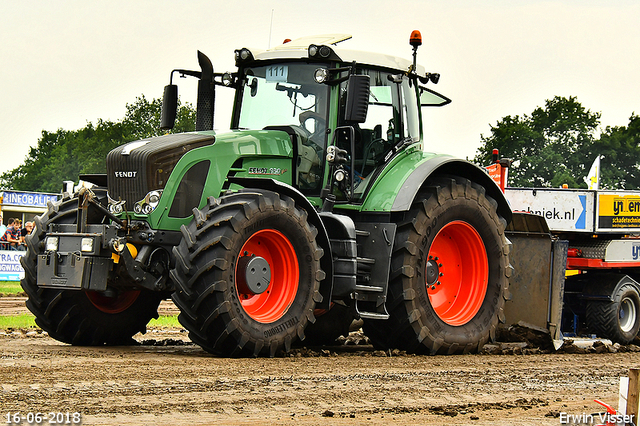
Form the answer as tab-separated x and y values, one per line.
457	273
277	250
113	305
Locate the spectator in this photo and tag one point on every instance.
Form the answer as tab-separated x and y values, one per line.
3	229
12	235
17	233
28	227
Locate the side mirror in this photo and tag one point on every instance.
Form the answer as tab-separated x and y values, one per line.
357	98
254	87
169	107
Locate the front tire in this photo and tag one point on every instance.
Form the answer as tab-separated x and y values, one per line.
79	317
449	273
248	274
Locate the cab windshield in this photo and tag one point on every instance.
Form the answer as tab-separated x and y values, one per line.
283	94
286	95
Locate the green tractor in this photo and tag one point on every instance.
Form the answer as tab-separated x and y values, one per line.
318	207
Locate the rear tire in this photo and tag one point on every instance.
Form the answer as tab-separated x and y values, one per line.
75	316
449	273
618	320
225	310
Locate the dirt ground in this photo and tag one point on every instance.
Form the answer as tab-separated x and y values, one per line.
169	381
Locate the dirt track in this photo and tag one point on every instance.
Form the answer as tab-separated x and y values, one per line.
177	383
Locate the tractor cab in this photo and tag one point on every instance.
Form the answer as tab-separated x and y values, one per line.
366	106
347	113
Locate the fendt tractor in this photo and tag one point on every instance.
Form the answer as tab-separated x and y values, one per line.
320	205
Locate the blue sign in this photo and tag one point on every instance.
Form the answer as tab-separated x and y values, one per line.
581	223
10	268
27	199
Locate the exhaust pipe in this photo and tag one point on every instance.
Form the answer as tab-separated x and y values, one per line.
206	94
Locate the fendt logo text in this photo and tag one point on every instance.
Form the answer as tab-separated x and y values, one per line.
125	174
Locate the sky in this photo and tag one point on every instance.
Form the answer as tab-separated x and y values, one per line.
67	63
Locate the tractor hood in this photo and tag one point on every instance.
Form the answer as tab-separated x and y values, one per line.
137	167
162	179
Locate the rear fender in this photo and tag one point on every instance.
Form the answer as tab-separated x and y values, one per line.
446	165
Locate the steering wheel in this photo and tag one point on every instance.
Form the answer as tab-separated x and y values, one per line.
320	125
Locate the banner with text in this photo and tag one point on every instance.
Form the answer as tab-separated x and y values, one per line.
619	211
27	199
10	268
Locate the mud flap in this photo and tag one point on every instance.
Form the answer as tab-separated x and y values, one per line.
537	284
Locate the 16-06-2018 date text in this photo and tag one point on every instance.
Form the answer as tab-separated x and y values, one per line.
36	418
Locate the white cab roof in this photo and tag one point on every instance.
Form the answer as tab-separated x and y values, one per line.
297	49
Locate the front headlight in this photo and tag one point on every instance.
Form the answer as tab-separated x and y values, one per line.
243	55
149	203
115	207
86	244
51	244
321	75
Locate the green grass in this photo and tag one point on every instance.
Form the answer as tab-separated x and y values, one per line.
165	322
10	288
29	321
17	321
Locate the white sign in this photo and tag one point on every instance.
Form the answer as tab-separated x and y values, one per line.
10	268
563	209
277	73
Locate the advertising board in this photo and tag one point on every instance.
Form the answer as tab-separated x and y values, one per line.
10	268
618	211
564	209
575	210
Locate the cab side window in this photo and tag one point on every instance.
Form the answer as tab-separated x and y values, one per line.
381	131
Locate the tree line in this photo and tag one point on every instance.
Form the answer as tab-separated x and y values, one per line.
65	154
554	145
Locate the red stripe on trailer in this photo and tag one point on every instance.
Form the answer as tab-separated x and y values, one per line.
582	263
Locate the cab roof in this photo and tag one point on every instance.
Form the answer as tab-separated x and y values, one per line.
298	49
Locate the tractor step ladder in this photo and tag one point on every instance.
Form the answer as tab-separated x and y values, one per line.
369	294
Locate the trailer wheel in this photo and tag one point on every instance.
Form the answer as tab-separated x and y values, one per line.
248	274
81	317
618	320
449	273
